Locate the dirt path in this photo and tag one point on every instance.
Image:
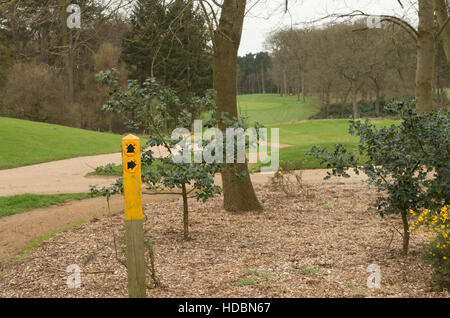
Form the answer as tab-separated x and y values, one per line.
62	176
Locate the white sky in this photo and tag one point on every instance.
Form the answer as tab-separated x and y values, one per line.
269	15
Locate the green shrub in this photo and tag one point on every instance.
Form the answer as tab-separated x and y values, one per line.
436	252
409	164
439	258
365	109
108	170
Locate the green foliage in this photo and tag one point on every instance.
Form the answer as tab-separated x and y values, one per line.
169	41
146	107
409	164
437	253
246	282
138	102
108	191
365	109
110	169
307	271
252	70
258	273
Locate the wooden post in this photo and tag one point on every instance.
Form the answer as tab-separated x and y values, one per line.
131	162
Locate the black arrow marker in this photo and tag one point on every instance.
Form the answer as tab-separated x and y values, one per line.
130	149
131	165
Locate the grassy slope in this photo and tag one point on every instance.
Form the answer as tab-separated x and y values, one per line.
276	112
26	202
322	133
25	142
272	109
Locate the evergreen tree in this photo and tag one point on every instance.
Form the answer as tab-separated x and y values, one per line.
170	42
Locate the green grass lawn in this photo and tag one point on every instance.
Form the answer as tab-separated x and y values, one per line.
321	133
25	142
25	202
272	109
290	116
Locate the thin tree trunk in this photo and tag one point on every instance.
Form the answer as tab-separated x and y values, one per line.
70	76
405	232
14	32
44	43
425	56
354	101
258	84
285	83
377	100
240	194
327	99
303	86
263	79
185	212
442	15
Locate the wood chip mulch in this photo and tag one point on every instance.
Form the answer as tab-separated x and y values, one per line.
317	244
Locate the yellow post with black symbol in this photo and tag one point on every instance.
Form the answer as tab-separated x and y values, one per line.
134	231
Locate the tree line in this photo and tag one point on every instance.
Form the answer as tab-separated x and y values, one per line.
346	62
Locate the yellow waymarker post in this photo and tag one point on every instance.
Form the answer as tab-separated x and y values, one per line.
134	232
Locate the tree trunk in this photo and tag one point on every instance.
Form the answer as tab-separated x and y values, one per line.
377	100
238	195
263	78
70	76
442	15
66	45
327	99
44	35
354	101
15	32
405	232
258	84
185	212
364	94
285	83
303	86
425	57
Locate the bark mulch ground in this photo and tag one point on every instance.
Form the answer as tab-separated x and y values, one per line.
317	244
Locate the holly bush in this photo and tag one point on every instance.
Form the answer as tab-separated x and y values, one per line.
409	163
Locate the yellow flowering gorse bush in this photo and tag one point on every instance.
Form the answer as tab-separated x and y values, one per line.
435	222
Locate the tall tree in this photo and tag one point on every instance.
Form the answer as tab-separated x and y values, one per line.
425	56
442	8
239	195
